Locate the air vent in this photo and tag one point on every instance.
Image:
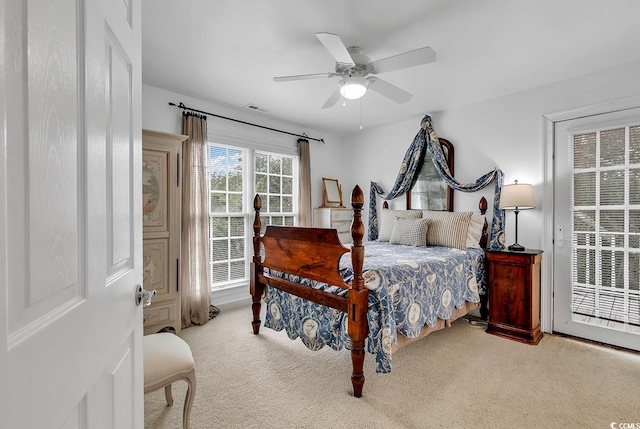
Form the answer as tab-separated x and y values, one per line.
256	108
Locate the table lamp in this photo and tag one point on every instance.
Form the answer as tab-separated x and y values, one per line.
516	197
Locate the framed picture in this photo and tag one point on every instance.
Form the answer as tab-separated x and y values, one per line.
430	191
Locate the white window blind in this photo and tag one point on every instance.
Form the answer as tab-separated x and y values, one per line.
227	216
605	192
236	174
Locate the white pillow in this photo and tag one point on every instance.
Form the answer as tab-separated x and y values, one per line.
474	233
387	219
447	229
410	232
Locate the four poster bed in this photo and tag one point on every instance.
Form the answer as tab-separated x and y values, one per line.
397	294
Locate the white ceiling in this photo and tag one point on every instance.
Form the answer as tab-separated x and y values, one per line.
230	50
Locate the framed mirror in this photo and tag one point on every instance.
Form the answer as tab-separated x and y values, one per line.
331	193
430	191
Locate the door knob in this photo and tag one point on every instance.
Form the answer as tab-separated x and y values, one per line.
144	297
559	239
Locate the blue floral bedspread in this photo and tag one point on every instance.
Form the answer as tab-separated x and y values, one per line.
409	287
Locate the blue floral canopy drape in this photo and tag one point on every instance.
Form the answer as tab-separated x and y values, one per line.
426	142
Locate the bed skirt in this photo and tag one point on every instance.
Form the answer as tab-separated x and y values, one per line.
440	324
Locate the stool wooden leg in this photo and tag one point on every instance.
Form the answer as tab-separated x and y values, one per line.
167	394
188	400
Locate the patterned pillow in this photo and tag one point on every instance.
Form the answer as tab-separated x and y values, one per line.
475	231
447	229
387	219
410	232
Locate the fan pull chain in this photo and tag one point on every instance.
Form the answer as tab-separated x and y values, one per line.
361	112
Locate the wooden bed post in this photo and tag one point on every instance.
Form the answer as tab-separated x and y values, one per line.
484	299
358	295
256	269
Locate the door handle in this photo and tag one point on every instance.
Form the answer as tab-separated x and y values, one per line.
144	297
559	240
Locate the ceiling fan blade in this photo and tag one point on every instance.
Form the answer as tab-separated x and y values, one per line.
402	61
333	99
392	92
303	76
336	48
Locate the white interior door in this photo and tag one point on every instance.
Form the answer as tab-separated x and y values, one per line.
70	214
597	228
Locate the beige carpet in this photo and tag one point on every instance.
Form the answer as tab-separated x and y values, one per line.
458	378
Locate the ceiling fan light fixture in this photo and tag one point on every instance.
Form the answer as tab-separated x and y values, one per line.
353	87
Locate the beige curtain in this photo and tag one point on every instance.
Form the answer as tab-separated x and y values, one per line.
304	215
195	278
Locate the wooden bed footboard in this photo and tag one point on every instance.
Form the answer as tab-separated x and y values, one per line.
314	253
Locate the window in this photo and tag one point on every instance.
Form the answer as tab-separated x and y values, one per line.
606	226
235	176
274	183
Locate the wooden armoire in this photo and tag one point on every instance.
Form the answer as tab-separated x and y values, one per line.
161	225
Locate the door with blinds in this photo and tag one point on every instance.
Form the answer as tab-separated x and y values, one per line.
597	228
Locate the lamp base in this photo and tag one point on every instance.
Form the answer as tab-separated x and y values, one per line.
516	248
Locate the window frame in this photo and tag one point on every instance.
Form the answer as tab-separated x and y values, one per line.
249	192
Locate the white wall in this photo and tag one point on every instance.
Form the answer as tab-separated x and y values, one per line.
505	132
158	115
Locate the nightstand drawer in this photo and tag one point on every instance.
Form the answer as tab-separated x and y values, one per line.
344	214
332	217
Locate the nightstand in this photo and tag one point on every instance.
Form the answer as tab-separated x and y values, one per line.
514	294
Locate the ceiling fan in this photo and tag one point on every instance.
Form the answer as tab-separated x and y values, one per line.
355	68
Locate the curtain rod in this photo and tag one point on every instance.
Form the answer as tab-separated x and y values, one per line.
304	136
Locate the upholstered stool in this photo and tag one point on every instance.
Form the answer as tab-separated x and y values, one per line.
167	359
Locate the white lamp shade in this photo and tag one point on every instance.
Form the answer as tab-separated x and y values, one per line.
517	196
353	87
